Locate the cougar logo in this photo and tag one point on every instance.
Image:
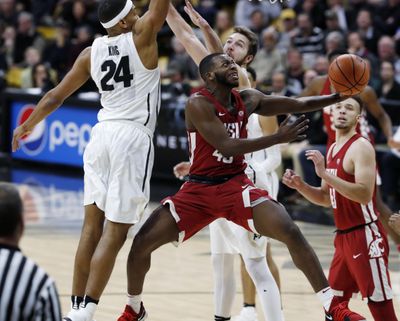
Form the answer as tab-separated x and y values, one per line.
376	248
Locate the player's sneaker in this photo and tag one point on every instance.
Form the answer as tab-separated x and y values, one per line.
340	312
130	315
247	314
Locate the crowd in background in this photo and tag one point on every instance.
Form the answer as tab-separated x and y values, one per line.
40	40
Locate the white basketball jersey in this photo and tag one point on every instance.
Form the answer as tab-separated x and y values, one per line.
129	91
254	131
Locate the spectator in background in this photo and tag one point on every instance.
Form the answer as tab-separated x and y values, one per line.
295	71
279	85
309	40
42	10
312	8
83	38
332	23
390	88
352	12
286	26
180	57
32	57
367	31
27	291
26	36
207	9
334	41
269	59
258	22
223	25
387	52
8	44
56	51
389	17
390	173
337	8
8	12
42	78
245	9
309	75
321	65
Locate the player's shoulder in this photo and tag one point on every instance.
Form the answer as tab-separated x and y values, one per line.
362	147
198	100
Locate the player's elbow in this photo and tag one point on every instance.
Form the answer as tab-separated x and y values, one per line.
52	99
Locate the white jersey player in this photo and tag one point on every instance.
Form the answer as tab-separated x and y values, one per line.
119	157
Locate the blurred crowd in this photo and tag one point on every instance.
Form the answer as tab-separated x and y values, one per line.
40	40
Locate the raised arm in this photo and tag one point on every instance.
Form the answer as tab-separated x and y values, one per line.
373	105
200	116
186	36
213	42
145	32
73	80
257	102
152	21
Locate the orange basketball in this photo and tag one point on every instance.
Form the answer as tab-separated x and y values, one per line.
349	74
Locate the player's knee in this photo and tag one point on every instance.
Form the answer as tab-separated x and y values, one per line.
291	233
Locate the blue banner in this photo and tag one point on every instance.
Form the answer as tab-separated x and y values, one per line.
60	138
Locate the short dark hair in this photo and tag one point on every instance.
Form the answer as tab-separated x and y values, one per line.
108	9
251	36
207	64
252	72
357	98
336	52
10	210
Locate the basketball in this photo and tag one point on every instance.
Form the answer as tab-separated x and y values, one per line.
349	74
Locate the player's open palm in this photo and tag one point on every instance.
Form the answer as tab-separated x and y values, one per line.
18	134
318	159
196	18
295	131
291	179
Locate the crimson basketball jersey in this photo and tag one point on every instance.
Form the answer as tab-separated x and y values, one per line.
347	213
205	160
362	126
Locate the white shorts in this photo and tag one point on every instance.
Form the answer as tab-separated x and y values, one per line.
229	238
118	162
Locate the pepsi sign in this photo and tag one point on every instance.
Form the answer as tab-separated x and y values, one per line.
60	138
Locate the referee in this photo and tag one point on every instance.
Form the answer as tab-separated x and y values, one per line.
26	291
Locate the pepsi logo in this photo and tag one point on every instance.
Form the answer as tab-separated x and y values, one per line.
33	143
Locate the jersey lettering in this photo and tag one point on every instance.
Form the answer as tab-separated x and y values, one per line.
113	50
120	73
332	192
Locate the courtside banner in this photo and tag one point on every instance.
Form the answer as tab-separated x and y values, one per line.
61	138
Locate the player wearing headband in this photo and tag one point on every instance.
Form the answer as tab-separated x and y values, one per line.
119	157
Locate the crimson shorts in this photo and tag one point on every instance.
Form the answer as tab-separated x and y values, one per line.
360	264
196	205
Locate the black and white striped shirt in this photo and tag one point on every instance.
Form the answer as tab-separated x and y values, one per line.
26	290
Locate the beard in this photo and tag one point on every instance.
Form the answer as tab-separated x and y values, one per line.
224	81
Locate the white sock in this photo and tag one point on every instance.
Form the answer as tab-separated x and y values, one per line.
134	301
267	290
224	283
87	311
326	296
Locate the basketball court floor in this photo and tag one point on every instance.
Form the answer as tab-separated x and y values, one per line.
179	285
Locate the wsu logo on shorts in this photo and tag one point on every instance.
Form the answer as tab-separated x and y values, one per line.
376	248
33	143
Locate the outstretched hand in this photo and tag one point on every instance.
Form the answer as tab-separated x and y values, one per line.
288	133
291	179
196	18
318	159
18	134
